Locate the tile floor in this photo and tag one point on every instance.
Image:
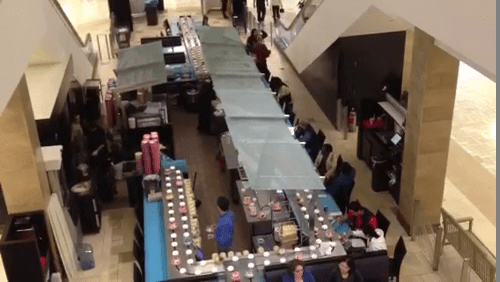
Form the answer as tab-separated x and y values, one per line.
113	245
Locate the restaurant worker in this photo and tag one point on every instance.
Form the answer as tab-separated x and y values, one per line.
298	273
224	233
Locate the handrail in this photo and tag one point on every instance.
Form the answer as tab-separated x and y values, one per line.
87	45
300	15
67	22
481	260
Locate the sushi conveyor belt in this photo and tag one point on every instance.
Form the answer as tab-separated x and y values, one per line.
193	46
183	235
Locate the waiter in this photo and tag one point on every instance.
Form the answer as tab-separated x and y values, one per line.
99	161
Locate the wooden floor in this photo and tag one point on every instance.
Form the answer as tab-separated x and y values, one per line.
200	150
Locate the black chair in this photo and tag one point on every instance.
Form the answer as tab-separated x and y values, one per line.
138	272
373	266
382	222
138	254
139	236
395	262
275	275
322	138
139	214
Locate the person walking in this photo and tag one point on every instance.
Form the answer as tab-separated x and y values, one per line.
224	9
261	9
261	54
276	6
224	233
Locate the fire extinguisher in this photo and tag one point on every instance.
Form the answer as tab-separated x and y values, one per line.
352	120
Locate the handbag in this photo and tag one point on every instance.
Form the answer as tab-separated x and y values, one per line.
282	10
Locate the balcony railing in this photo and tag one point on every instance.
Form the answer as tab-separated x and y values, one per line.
476	256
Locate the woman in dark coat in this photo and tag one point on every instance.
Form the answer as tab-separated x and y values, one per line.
207	95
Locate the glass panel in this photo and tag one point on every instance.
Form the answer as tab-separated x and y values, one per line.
241	104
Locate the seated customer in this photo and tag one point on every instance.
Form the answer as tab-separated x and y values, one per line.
298	273
360	216
305	133
374	237
346	272
324	160
345	177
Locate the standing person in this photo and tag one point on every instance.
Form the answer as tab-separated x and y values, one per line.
276	5
341	186
261	9
298	273
252	40
224	9
261	54
207	95
224	233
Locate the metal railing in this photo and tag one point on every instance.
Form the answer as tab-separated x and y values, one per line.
470	248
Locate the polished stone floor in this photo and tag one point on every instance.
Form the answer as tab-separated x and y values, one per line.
113	245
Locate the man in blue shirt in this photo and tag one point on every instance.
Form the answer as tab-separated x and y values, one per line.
224	234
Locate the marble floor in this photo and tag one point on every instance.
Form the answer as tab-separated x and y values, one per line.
113	245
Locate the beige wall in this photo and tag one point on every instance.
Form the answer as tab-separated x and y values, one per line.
22	170
432	75
468	30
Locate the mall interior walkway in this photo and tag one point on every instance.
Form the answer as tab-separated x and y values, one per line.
472	150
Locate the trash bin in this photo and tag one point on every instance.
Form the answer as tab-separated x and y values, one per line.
152	13
192	97
123	37
380	179
86	256
88	205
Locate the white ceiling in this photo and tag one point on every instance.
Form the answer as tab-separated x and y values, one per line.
373	21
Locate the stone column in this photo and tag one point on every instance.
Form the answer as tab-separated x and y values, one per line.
430	77
22	170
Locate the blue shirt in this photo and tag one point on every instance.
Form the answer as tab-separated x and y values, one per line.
312	141
342	180
307	277
225	230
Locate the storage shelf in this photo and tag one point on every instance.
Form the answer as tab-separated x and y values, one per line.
398	117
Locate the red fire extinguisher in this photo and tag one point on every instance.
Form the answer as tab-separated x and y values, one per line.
352	120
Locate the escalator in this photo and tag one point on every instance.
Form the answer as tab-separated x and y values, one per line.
286	34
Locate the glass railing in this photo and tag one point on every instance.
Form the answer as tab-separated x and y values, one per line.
284	35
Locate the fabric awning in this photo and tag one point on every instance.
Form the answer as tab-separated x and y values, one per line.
140	66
